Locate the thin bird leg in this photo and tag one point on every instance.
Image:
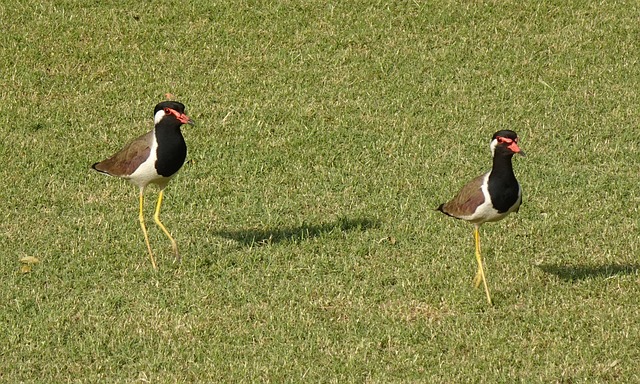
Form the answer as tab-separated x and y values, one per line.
156	217
144	229
480	274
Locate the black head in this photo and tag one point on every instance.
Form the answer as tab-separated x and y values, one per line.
175	105
173	110
505	143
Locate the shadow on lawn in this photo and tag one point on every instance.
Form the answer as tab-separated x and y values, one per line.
582	272
260	237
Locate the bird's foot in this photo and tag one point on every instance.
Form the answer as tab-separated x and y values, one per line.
477	280
177	255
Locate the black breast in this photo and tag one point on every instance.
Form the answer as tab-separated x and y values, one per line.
504	195
172	150
503	186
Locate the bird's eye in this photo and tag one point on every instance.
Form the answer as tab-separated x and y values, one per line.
167	110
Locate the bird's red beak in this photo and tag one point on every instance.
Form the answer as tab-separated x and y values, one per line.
512	144
515	149
184	119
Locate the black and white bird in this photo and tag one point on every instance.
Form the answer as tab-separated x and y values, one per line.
153	158
491	196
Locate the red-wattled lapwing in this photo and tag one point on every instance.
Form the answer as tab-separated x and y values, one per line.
153	158
489	197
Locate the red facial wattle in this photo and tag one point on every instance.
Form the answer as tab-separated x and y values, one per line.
184	119
512	144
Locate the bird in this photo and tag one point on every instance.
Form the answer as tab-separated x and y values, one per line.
153	158
489	197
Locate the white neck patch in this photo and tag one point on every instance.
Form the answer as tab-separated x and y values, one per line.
158	116
494	144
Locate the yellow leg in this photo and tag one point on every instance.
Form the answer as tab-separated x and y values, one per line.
156	218
144	229
480	274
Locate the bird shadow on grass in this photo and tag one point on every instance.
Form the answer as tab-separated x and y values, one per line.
583	272
262	237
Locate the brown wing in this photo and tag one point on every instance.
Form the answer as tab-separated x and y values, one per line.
466	201
125	162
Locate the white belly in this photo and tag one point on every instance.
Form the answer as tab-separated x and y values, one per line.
485	211
147	174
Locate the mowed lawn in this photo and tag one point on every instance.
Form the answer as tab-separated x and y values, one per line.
326	135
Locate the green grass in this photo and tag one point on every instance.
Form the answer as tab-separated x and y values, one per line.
324	130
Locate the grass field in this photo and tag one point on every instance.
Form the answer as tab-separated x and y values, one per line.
327	134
